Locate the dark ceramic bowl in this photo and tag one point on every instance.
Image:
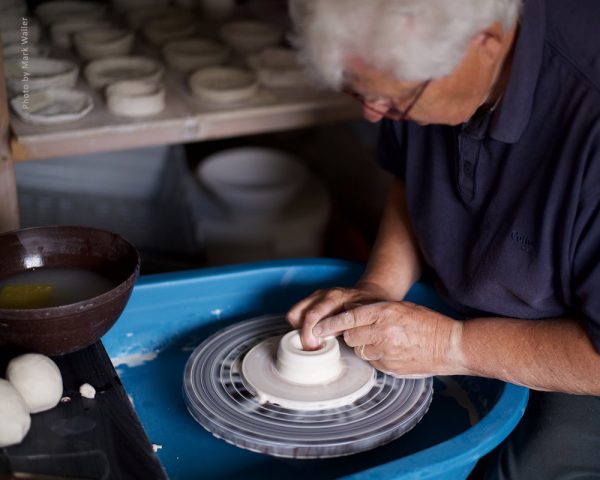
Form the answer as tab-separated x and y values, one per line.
67	328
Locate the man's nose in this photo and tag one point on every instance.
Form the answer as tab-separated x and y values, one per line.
371	115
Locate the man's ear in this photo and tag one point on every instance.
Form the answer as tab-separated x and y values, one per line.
489	43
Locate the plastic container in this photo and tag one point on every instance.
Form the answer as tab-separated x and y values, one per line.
169	315
135	193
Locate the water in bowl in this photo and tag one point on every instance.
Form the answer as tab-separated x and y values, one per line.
51	287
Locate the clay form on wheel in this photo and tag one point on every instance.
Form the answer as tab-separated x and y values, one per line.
223	84
132	98
103	42
291	380
249	36
278	67
102	72
62	32
57	10
194	53
53	106
162	30
42	73
218	394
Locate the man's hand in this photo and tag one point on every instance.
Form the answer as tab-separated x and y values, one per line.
324	303
399	338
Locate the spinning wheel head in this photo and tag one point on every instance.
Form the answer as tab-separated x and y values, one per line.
354	412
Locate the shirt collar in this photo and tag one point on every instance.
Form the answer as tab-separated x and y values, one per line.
512	115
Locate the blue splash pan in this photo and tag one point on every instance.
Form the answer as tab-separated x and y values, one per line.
170	314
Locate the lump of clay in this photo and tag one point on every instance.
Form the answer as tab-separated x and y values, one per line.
14	415
38	380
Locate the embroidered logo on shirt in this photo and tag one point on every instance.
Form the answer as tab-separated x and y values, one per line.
522	240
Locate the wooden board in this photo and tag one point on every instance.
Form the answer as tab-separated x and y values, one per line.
9	210
185	118
85	438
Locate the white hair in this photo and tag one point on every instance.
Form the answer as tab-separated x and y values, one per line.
412	39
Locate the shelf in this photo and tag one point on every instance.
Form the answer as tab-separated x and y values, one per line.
185	119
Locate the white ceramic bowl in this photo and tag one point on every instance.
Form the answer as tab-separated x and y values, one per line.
277	67
62	32
52	106
253	180
58	10
129	5
223	84
217	9
134	98
139	16
15	50
13	6
249	36
194	53
42	73
172	27
103	42
102	72
11	26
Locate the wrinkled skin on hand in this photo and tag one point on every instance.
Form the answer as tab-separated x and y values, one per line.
399	338
325	303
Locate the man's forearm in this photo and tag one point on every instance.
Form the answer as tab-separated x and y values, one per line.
394	264
554	355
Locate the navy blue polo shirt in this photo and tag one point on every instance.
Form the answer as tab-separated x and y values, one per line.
506	208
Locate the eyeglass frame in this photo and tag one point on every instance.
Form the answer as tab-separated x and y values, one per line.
392	113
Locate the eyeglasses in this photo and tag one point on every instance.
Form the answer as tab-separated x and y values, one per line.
392	112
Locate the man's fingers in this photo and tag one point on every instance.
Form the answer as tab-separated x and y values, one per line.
365	335
369	353
336	324
313	314
295	314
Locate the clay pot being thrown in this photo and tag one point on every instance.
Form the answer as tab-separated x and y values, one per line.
279	371
308	367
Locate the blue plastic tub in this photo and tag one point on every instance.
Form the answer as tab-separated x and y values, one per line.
168	315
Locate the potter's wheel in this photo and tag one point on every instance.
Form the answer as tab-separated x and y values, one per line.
221	400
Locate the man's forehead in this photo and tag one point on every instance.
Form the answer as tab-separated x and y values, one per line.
360	74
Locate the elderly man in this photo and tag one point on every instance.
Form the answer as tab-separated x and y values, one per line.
490	116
